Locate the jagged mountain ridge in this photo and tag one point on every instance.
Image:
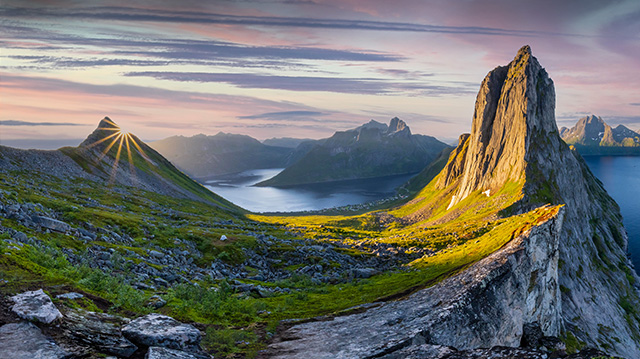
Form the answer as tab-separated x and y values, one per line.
224	153
587	293
592	135
371	150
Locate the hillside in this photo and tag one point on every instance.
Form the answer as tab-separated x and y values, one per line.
224	153
564	275
593	136
371	150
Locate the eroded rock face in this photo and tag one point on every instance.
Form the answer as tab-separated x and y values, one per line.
484	306
26	341
35	306
162	331
98	330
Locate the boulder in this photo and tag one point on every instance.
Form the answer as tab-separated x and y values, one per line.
165	353
70	295
99	330
52	224
26	341
162	331
156	302
36	306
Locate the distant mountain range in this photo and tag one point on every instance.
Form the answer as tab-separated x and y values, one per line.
206	156
371	150
592	135
288	142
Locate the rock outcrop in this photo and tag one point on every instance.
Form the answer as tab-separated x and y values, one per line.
36	306
157	330
484	306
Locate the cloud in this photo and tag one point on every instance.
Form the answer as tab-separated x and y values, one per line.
25	123
635	104
369	86
285	115
132	14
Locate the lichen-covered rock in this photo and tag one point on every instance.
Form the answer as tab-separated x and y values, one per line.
485	306
26	341
165	353
35	305
98	330
162	331
52	224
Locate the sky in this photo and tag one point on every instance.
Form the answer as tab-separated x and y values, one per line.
299	68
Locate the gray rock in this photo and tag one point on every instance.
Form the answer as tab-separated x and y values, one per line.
156	302
163	331
70	295
156	254
99	330
36	306
50	223
25	341
364	272
165	353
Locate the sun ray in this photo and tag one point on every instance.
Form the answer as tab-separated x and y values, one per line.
102	140
106	150
141	151
132	167
114	169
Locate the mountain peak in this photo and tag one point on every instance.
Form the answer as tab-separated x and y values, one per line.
107	123
106	129
396	125
515	105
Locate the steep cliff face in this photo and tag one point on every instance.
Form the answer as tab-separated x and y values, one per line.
515	138
486	305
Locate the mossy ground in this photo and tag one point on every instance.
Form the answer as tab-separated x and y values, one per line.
238	325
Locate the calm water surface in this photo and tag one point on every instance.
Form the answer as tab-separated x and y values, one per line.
238	189
621	178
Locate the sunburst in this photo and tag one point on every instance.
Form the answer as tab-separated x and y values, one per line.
122	140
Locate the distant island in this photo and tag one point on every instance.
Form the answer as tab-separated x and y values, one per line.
593	136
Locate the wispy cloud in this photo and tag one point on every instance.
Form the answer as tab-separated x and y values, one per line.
285	115
308	83
26	123
132	14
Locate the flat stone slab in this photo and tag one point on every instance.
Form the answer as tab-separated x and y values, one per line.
26	341
35	306
157	330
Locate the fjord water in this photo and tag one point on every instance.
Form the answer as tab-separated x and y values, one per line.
238	188
620	176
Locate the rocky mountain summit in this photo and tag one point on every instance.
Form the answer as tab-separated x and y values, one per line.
592	135
371	150
568	276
